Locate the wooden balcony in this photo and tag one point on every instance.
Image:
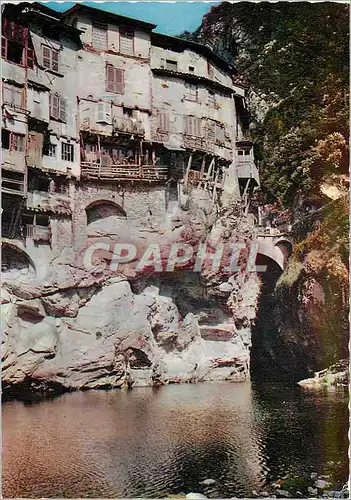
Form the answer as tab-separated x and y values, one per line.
198	143
149	173
247	170
38	233
127	126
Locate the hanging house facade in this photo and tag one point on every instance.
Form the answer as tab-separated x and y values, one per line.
99	109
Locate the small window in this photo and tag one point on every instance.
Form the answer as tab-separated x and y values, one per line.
57	107
211	98
67	152
12	141
126	40
247	152
100	36
50	58
193	126
241	153
171	65
191	92
114	79
52	150
191	69
162	122
128	112
18	142
12	96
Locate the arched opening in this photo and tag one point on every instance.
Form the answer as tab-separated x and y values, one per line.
265	335
16	264
102	209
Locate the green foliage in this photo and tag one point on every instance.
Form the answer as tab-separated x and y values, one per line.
294	57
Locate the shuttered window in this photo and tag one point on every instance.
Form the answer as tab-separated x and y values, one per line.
12	96
126	40
114	80
57	107
50	58
163	122
191	92
100	36
193	126
104	112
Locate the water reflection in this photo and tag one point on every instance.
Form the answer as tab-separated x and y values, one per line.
154	442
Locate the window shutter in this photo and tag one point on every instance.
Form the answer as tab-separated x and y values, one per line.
220	133
3	47
163	122
62	109
55	60
114	80
46	57
30	57
104	112
99	36
54	106
126	40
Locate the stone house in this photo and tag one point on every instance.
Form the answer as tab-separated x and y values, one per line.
102	116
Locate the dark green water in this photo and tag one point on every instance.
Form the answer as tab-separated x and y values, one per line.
152	443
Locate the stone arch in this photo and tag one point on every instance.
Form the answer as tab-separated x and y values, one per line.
15	262
285	246
100	209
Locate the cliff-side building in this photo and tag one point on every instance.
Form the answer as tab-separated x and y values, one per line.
102	116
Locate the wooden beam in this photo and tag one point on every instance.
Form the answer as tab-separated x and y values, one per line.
209	171
187	169
203	165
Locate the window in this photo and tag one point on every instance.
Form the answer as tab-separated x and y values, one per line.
211	98
128	112
12	141
104	112
126	40
12	96
100	36
52	150
67	152
220	133
247	152
171	65
114	80
162	122
191	69
191	92
15	44
50	58
193	126
57	107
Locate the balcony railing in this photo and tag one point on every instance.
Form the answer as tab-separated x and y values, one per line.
128	126
94	170
38	233
247	169
198	143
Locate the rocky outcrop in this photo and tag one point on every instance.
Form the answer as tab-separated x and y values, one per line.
336	376
90	328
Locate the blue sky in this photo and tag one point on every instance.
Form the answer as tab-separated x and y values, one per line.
172	18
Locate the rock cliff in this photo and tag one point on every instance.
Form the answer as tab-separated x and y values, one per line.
90	328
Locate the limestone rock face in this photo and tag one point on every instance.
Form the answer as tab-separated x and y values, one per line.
85	328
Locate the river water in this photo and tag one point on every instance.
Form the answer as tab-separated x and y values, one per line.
151	443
